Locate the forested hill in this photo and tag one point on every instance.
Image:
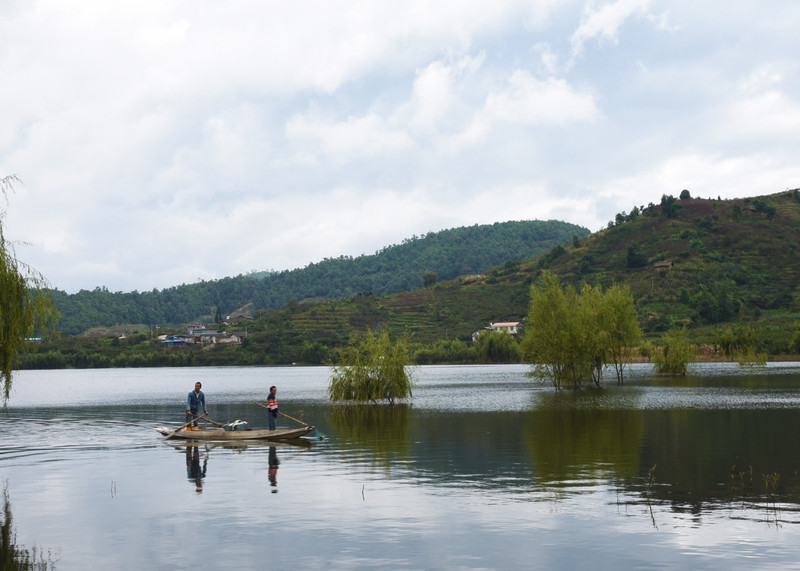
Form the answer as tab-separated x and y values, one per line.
448	254
702	263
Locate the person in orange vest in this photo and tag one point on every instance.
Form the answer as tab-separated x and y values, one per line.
272	406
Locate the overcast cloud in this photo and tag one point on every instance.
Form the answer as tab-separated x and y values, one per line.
164	142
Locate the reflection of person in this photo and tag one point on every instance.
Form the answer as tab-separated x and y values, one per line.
193	470
272	406
194	401
273	469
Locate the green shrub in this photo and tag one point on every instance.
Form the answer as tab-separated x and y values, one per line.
675	352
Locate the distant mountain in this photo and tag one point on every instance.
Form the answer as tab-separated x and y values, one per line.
445	255
706	264
703	263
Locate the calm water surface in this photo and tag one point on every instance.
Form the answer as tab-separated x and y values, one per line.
484	469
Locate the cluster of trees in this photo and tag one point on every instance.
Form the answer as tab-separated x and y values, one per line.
445	351
416	262
669	207
741	344
572	335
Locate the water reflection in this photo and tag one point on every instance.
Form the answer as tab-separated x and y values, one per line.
569	443
273	469
692	461
695	473
14	557
194	471
378	432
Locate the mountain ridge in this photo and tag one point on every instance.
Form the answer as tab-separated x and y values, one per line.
400	267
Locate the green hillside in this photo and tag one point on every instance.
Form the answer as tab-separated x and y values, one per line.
442	255
700	262
708	264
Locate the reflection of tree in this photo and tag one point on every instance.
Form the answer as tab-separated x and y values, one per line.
566	438
14	557
722	455
381	431
688	459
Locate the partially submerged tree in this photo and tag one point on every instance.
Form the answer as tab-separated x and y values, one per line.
740	344
24	302
572	336
675	353
372	368
547	339
621	327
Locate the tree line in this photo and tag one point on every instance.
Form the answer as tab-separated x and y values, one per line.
440	255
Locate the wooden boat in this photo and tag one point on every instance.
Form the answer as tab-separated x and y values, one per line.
245	434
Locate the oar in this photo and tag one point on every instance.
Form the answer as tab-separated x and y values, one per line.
282	414
293	418
174	432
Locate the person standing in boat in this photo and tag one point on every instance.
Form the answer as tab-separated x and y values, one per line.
272	406
194	402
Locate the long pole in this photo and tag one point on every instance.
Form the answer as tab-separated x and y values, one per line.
282	414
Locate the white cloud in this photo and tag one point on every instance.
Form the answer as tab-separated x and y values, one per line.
770	114
343	141
162	142
604	22
706	176
528	101
550	59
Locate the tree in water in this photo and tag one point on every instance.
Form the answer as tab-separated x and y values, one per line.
25	304
372	368
676	352
571	336
620	325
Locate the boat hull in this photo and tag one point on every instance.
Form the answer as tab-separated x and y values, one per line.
247	434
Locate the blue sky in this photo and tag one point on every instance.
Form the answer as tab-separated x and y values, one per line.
161	143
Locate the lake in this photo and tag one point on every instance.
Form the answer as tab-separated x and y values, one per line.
483	469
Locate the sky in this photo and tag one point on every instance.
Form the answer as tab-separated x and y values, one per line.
166	142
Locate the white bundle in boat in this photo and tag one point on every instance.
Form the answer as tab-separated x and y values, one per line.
236	425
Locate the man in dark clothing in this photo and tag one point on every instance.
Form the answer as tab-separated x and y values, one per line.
272	406
194	402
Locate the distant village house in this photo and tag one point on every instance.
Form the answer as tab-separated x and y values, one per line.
510	327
